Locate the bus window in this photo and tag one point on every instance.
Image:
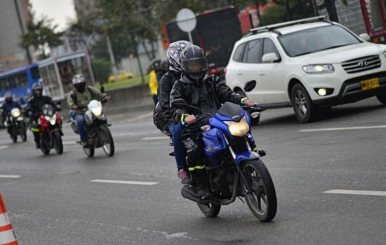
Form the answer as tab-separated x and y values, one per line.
35	72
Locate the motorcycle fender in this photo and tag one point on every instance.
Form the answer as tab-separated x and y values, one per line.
245	156
20	119
88	117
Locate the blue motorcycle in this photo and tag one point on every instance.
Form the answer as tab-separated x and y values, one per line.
234	167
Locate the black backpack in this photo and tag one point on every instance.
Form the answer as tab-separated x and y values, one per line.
160	121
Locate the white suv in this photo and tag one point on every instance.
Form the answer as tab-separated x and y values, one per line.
309	64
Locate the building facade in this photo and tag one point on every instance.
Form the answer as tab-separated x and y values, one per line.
11	55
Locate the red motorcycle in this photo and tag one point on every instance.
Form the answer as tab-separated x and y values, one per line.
51	133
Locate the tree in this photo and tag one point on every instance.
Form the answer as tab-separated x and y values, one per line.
40	35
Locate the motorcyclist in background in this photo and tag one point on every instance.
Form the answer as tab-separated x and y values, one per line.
206	93
7	106
162	71
78	100
34	109
153	83
165	87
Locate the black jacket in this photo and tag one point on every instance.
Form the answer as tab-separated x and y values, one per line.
165	87
35	104
208	95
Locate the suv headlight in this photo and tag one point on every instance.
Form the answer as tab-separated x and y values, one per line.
318	69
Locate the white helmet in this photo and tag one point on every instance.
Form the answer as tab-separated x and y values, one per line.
173	54
78	78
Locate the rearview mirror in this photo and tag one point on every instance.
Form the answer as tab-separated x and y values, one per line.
102	89
365	37
249	86
179	104
270	58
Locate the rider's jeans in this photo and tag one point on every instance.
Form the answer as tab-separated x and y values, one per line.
179	148
80	123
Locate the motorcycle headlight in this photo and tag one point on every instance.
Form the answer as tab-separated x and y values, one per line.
239	129
52	120
97	111
319	69
16	114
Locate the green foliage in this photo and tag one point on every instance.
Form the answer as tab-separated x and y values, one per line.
40	34
102	70
278	13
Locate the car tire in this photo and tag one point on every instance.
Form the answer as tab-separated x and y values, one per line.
382	98
305	110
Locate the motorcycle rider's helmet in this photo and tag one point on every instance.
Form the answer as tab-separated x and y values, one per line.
194	63
8	97
173	55
37	89
165	65
156	64
79	83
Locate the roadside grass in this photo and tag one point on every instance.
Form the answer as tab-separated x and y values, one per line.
125	83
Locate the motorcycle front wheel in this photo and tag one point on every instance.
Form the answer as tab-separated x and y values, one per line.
107	141
23	132
262	201
14	138
89	151
210	210
58	143
44	148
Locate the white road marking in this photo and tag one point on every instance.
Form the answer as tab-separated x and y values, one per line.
340	129
69	142
4	147
156	138
9	176
138	118
356	192
123	182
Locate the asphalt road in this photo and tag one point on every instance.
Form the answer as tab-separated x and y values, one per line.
53	201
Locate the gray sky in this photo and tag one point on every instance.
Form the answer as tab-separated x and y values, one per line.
58	10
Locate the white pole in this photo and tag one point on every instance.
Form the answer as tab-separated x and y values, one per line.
190	37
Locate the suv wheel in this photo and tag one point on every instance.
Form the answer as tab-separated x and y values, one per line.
382	98
305	110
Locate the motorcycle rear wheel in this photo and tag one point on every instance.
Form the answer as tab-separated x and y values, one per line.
107	141
58	144
210	210
263	190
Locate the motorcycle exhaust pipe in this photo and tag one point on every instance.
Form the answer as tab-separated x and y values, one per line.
187	193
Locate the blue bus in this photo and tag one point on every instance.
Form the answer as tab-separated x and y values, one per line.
19	81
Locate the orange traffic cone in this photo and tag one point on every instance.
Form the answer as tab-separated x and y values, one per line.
7	236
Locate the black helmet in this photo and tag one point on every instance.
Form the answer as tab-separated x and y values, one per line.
8	96
194	63
37	89
156	64
173	54
164	65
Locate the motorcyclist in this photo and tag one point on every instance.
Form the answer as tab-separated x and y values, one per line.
78	100
165	87
206	93
153	83
164	68
7	106
34	109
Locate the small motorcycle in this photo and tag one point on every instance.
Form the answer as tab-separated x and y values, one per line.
51	129
233	167
18	126
97	129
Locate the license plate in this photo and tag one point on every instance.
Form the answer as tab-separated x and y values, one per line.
370	84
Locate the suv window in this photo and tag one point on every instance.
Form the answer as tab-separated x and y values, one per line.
269	47
253	52
238	56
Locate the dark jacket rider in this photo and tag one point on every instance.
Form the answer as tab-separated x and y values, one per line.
34	109
206	93
7	106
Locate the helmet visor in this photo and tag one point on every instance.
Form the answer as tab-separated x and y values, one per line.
195	65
